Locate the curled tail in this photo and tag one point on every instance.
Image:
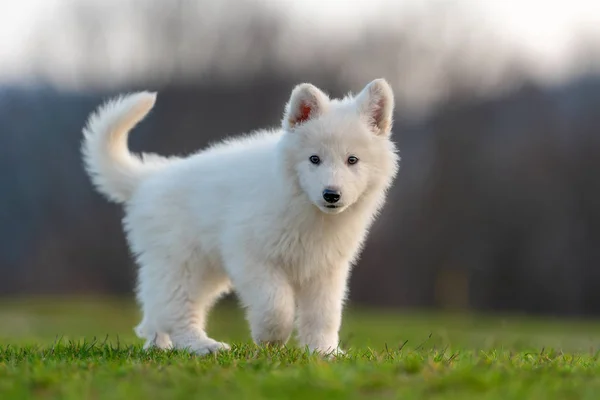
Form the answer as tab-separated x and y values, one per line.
115	171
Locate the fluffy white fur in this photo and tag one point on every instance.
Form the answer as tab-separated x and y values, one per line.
249	213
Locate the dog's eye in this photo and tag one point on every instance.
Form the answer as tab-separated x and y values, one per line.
315	160
352	160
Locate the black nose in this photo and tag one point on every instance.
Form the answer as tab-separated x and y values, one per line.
331	196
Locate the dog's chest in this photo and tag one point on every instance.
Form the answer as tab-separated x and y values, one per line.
304	253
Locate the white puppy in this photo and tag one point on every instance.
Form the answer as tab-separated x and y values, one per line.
279	215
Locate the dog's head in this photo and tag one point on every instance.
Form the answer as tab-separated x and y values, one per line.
338	150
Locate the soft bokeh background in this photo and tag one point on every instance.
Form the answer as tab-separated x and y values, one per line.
496	208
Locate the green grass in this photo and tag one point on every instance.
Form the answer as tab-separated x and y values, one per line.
84	349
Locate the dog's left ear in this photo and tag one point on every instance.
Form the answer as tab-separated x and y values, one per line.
376	103
306	102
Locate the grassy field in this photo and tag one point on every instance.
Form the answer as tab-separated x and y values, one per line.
84	349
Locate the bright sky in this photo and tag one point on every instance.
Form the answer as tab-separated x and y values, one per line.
17	20
535	23
540	27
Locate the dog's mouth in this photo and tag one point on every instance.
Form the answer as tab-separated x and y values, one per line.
332	208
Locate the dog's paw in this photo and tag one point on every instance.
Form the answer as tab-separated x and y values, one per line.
197	343
209	346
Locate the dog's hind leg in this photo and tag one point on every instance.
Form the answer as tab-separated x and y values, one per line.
160	340
176	302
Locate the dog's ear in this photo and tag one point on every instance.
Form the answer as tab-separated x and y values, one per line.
306	102
376	103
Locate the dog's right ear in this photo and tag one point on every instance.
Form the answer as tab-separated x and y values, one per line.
306	102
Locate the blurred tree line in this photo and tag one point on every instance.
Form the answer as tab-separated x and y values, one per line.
496	207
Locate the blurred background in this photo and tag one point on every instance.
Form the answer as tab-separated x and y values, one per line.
496	207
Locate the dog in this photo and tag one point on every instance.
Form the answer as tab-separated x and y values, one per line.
280	216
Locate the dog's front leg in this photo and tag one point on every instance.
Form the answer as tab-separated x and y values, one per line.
320	303
269	301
